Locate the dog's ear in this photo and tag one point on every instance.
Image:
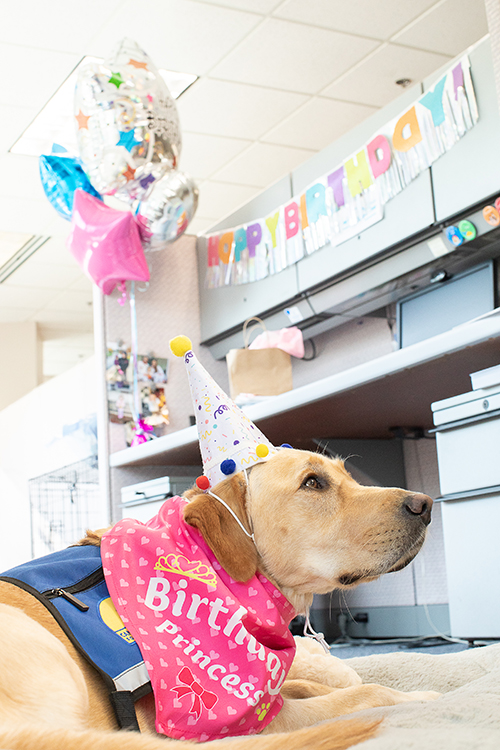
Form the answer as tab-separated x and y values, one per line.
234	550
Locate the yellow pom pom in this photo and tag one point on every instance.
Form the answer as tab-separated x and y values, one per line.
262	450
180	345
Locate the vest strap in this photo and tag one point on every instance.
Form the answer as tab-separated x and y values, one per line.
123	706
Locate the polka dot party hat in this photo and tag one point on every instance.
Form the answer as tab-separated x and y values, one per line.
229	441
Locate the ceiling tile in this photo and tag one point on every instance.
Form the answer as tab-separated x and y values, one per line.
291	56
65	28
378	20
45	276
55	225
73	300
220	199
199	225
202	154
318	123
24	297
14	120
67	340
262	164
255	6
15	314
34	74
83	283
64	320
193	37
24	214
20	177
438	30
373	82
10	244
54	251
233	109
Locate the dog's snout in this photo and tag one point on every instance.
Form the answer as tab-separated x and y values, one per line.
420	505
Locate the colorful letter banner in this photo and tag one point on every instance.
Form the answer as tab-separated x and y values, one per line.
342	204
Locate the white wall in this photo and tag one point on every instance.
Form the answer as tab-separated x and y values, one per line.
32	442
20	361
351	344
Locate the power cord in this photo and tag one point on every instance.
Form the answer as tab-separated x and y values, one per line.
314	352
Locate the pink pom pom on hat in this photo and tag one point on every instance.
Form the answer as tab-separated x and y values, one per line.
229	441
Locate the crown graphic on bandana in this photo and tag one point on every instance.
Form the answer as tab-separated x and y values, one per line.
229	441
180	565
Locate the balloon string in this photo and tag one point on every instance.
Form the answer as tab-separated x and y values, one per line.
136	403
123	289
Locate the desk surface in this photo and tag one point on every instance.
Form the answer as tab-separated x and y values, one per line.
366	401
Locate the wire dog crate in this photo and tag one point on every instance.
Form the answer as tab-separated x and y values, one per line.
64	504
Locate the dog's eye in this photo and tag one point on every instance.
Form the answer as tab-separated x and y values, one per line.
313	482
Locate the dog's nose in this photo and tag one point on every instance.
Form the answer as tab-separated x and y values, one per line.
420	505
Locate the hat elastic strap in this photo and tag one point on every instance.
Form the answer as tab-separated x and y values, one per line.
226	506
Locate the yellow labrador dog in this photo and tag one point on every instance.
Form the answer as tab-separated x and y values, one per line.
315	529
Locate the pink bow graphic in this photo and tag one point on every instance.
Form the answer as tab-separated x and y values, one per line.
200	695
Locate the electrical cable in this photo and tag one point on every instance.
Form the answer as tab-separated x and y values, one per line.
427	614
314	352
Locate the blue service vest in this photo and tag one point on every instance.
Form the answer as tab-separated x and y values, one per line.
70	583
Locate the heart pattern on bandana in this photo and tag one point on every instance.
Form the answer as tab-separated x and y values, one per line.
200	691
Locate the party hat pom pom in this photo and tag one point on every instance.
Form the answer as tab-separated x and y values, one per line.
228	466
262	450
180	345
202	483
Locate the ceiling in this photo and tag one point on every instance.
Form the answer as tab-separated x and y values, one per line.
278	81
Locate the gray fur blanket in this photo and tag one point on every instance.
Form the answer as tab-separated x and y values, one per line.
466	717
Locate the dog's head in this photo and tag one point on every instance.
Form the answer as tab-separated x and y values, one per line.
315	527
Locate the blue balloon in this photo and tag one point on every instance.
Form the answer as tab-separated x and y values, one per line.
61	176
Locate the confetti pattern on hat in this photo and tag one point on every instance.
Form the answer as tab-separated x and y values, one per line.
229	441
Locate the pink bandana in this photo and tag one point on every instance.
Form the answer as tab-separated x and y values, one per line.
217	651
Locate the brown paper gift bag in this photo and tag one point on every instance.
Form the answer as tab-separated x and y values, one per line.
262	372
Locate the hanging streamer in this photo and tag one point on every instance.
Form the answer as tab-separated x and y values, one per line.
351	198
142	431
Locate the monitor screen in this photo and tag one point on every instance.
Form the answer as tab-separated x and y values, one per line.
444	305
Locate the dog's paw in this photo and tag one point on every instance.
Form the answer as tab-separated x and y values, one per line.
423	695
310	645
340	674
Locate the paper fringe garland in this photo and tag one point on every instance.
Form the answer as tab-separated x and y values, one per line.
351	198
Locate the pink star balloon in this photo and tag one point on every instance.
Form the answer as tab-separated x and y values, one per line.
106	243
